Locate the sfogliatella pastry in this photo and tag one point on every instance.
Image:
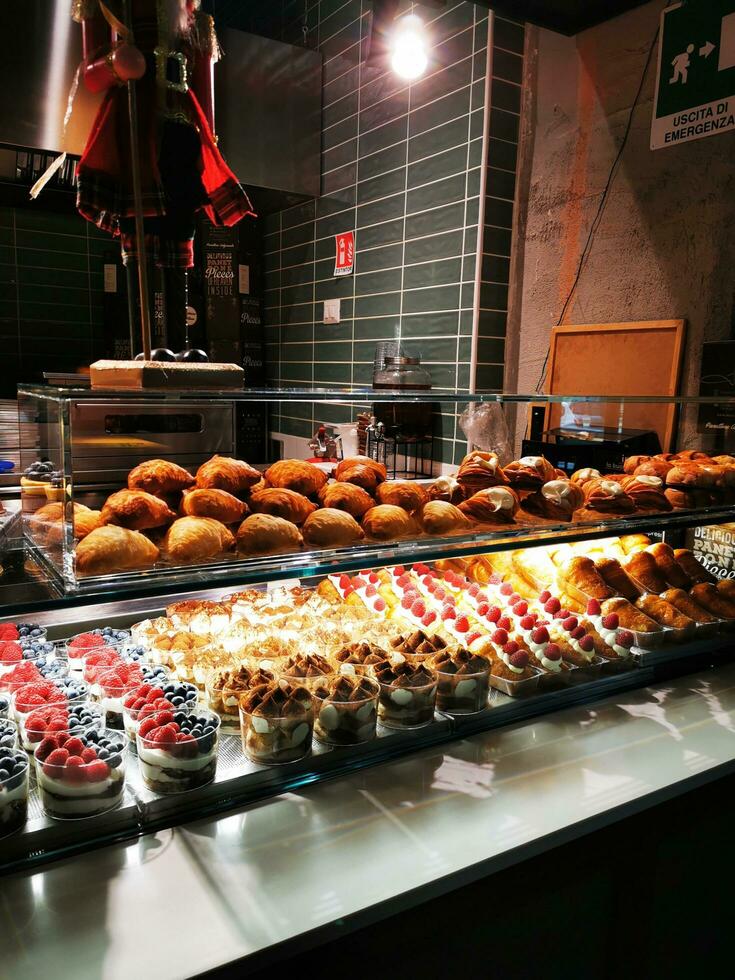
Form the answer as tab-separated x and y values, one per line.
346	710
646	492
614	575
693	568
222	473
557	500
582	581
362	471
713	600
330	528
642	568
607	496
632	463
136	510
668	566
530	472
447	488
664	613
160	477
386	522
688	499
496	505
441	517
480	470
295	474
727	587
587	473
197	538
263	534
276	723
701	475
347	497
218	504
280	502
630	543
402	493
685	604
463	681
114	549
407	693
49	517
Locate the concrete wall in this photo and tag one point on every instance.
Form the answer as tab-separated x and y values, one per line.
666	244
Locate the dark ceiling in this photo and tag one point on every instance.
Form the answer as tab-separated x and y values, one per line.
566	16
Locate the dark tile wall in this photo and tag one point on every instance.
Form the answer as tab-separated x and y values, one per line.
51	283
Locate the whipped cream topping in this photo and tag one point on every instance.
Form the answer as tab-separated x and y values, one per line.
609	636
557	491
588	473
534	461
501	498
650	481
611	487
506	660
554	666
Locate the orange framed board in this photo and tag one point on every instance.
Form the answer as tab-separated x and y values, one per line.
638	358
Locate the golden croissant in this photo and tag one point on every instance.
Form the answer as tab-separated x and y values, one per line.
386	521
441	517
403	493
263	534
280	502
331	528
362	471
295	474
348	497
223	473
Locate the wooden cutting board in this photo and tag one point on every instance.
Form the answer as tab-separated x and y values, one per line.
140	375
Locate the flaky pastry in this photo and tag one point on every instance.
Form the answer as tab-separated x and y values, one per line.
331	528
347	497
402	493
197	538
295	474
362	471
263	534
160	477
218	504
114	549
280	502
224	473
136	510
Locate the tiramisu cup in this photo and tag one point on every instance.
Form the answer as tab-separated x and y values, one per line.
418	645
225	687
346	710
308	669
407	693
359	657
14	769
463	681
276	723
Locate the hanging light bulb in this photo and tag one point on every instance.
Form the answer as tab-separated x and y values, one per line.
408	49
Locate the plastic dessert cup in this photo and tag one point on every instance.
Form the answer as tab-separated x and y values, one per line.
177	761
14	769
407	707
80	718
22	704
347	722
517	689
70	790
156	701
4	705
78	646
274	741
462	694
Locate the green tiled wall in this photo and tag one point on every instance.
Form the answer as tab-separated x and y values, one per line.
50	293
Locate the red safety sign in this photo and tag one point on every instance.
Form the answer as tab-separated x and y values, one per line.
344	258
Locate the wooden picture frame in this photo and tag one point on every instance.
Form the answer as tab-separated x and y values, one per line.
642	357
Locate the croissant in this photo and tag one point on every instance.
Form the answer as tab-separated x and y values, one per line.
530	472
386	522
84	519
447	488
654	466
331	528
668	566
402	493
614	575
136	510
664	613
607	496
584	475
362	471
114	549
295	474
217	504
642	568
292	506
351	499
557	500
693	568
478	471
712	599
633	462
263	534
646	492
582	581
196	538
685	604
630	618
160	477
223	473
441	517
496	505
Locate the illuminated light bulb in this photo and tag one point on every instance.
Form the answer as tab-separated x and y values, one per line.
408	48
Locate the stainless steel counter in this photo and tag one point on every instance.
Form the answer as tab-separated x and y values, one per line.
182	901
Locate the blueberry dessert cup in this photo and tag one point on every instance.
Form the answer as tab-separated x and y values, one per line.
463	681
277	723
177	751
407	693
148	700
346	710
80	775
78	646
83	716
60	692
14	769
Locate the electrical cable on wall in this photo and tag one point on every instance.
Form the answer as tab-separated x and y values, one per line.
600	208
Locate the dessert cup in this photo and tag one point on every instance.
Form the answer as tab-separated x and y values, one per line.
407	707
226	687
308	670
346	711
4	705
14	769
462	694
70	787
178	755
517	689
143	702
61	692
84	716
284	733
78	646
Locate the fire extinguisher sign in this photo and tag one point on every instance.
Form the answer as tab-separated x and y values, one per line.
344	256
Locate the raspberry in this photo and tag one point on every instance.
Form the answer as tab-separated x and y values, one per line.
570	623
440	594
519	659
399	570
625	639
510	647
428	582
403	581
473	589
540	635
418	608
373	578
471	637
494	579
57	725
429	618
165	735
37	721
86	641
611	622
344	581
500	637
75	769
564	614
10	653
578	633
552	652
494	614
358	583
593	608
45	746
57	757
587	644
527	622
146	726
74	746
421	569
504	623
513	599
164	718
483	609
506	589
545	596
97	771
370	591
186	745
89	754
448	612
462	624
552	605
348	591
406	601
520	608
380	604
8	631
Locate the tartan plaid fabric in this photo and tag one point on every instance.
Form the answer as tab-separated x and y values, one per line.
165	253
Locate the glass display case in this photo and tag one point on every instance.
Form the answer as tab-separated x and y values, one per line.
574	553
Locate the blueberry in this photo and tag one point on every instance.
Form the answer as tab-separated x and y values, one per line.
114	761
4	774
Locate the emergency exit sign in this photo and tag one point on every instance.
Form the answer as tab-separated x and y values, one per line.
695	85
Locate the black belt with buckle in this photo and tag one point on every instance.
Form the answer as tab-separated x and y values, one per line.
171	69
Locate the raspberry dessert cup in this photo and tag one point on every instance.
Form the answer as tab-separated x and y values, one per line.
14	769
78	646
177	751
80	775
82	716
